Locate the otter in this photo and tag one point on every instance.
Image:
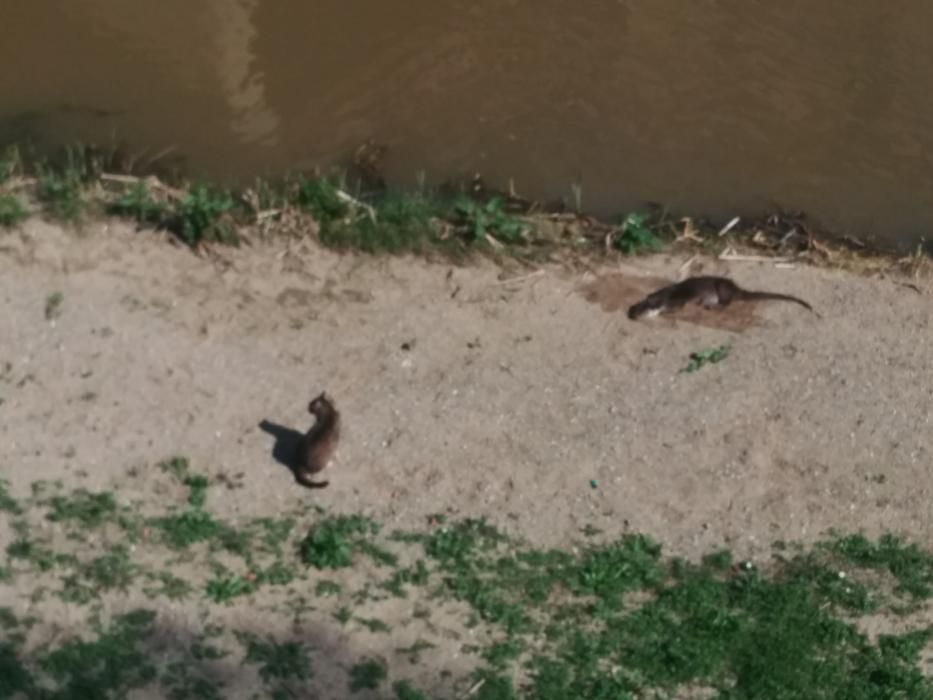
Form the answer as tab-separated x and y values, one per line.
708	291
317	447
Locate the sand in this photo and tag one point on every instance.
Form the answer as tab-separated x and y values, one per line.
535	402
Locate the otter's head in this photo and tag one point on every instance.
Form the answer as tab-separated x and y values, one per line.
647	308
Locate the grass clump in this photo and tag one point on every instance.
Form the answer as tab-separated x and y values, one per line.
85	508
488	219
710	356
8	504
204	215
404	690
111	571
367	675
281	664
332	543
138	203
53	305
109	666
12	211
635	236
60	192
907	563
226	587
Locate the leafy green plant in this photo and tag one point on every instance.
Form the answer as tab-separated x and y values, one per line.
203	215
137	203
320	198
12	211
635	236
53	305
61	193
367	675
332	543
87	508
490	218
224	588
710	356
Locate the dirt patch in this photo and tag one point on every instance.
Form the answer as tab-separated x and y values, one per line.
615	292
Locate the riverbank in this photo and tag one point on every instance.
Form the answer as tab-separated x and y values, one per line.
511	389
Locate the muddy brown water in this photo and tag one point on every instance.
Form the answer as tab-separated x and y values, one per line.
711	106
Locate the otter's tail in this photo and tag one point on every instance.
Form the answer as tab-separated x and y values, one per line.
774	296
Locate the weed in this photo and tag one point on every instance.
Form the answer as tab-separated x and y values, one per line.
8	504
87	509
186	681
53	305
710	356
414	651
278	661
60	192
488	219
397	223
177	467
191	526
31	551
170	586
404	690
416	574
15	679
320	197
910	566
343	615
367	675
111	571
10	163
327	588
198	485
203	215
374	625
611	570
276	533
107	667
277	574
331	543
224	588
137	203
12	211
634	236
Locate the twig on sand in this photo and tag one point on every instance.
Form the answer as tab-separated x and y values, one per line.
474	690
730	255
521	278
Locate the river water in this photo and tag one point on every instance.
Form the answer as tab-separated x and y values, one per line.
714	107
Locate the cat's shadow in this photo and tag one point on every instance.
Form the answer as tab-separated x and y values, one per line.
286	444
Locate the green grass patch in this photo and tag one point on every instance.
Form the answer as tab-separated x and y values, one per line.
368	674
635	236
710	356
205	215
333	542
84	508
8	504
138	203
12	211
280	663
109	666
53	305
